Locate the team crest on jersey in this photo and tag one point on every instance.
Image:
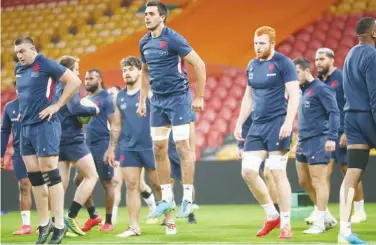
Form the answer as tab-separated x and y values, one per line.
163	44
35	72
271	67
334	84
123	106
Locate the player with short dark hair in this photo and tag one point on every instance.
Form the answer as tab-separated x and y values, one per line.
163	54
359	76
130	135
97	133
318	125
271	78
332	76
73	148
10	124
36	78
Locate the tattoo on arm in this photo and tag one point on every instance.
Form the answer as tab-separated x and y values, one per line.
115	135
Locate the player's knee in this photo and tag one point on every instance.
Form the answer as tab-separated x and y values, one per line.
183	149
25	187
305	183
318	181
181	132
36	178
160	148
132	184
268	175
155	185
52	177
78	179
250	165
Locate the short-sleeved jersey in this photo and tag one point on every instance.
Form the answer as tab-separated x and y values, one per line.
36	84
163	56
335	81
98	128
71	128
268	79
359	79
9	124
135	134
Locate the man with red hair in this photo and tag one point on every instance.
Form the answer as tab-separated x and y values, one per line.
270	76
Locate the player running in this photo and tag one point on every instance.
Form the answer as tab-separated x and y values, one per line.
359	76
318	124
332	76
36	76
164	53
135	146
264	168
97	133
10	124
73	148
270	76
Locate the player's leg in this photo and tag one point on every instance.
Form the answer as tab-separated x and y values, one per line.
24	187
305	179
147	193
64	169
270	183
118	182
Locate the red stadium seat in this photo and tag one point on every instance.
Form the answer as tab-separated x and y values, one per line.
211	83
232	102
215	139
304	36
285	49
334	34
337	24
200	140
221	125
237	92
209	115
203	126
319	35
310	54
314	45
309	29
225	113
241	79
226	82
300	46
215	103
221	92
331	43
322	26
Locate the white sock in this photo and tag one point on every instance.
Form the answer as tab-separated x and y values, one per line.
345	228
271	211
359	206
114	214
188	192
44	224
285	219
320	218
150	201
167	193
25	215
316	208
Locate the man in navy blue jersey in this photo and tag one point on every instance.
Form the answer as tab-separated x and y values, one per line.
359	76
10	124
332	76
271	78
36	78
164	53
318	125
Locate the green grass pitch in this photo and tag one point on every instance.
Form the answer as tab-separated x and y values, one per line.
216	224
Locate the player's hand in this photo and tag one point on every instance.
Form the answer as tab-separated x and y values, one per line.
285	131
238	133
109	157
343	141
330	146
198	104
240	153
141	110
2	162
49	111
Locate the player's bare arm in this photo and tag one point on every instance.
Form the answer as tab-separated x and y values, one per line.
200	70
72	84
145	88
245	110
115	132
292	89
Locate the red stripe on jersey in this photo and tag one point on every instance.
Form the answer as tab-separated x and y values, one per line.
52	86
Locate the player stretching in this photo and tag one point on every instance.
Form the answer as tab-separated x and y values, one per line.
332	76
318	125
164	53
135	145
41	130
270	75
10	124
359	76
98	138
264	168
73	149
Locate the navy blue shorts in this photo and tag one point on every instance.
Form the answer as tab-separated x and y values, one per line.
312	151
265	136
41	139
73	152
172	110
175	166
141	159
105	171
340	154
360	128
19	167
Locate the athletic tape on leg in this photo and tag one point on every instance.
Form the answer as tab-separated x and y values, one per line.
181	132
52	177
36	178
155	137
251	162
278	162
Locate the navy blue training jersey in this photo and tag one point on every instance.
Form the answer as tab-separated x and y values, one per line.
245	128
135	134
318	112
71	128
163	56
359	79
9	124
98	128
268	79
36	84
334	80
